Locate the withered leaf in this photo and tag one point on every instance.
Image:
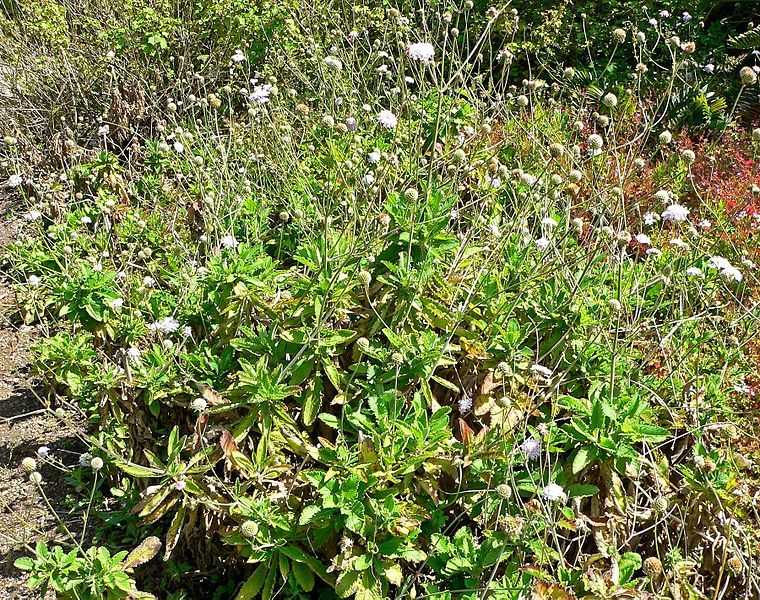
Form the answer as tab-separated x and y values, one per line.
143	553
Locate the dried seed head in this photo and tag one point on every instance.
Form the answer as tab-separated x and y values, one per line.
96	463
652	566
747	76
735	565
660	505
618	35
29	464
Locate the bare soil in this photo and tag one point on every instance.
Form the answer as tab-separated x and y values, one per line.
25	426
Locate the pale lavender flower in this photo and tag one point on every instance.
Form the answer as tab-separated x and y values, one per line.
422	52
675	213
531	448
229	241
387	119
554	493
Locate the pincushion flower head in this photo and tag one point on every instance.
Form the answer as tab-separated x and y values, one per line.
554	493
238	56
531	448
675	213
228	241
387	119
165	325
333	62
14	181
726	269
260	94
422	52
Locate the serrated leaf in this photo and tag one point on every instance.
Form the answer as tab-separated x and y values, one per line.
253	585
303	576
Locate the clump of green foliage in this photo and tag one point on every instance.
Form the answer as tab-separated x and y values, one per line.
359	321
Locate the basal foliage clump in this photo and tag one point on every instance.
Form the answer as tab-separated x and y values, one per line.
363	317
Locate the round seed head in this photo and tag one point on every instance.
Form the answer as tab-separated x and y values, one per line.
249	529
652	566
504	491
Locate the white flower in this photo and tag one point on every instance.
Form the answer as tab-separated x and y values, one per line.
665	137
33	280
727	270
653	22
678	243
333	62
643	238
382	69
238	56
117	303
531	448
133	354
165	325
650	218
43	451
179	147
351	124
694	272
495	182
368	179
32	215
229	241
84	459
542	243
104	130
465	404
14	181
374	157
709	68
653	252
493	229
422	51
554	493
675	213
260	94
199	405
541	372
387	119
549	222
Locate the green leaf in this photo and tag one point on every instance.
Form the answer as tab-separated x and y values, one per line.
584	457
582	490
25	563
348	582
629	563
252	587
303	575
312	401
